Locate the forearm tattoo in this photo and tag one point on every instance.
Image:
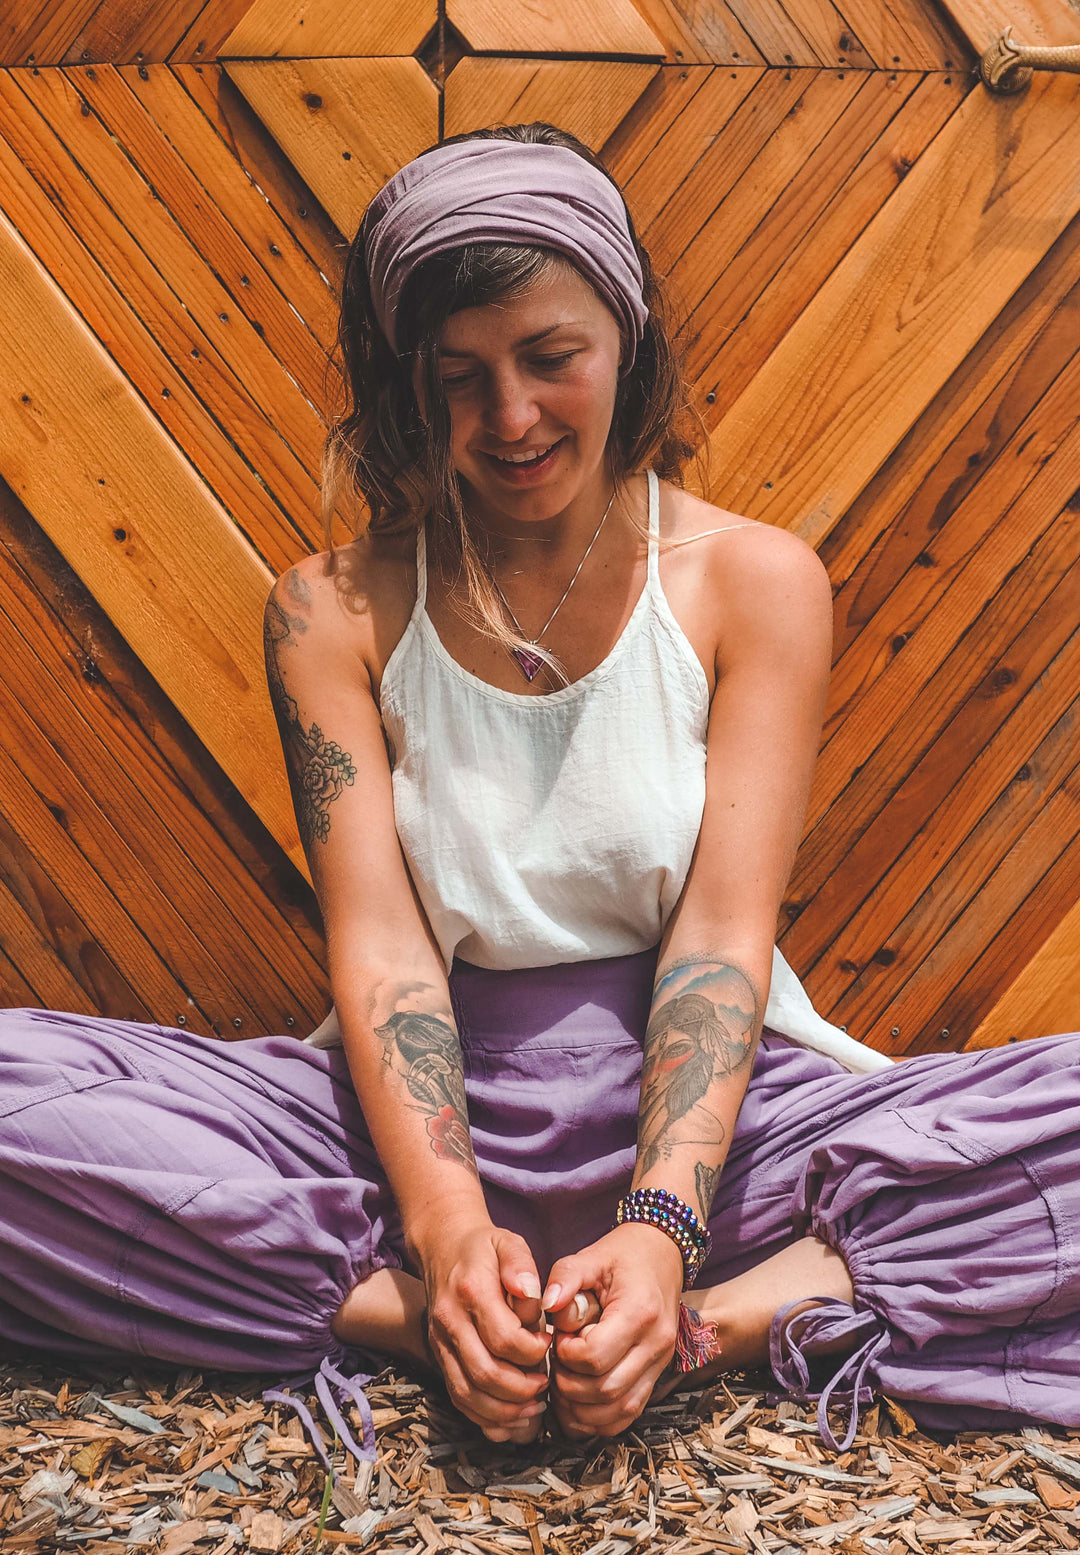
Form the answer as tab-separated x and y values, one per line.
425	1051
703	1029
319	770
705	1181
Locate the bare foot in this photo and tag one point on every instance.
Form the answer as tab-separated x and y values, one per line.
386	1312
742	1309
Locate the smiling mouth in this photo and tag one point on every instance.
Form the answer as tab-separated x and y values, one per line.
516	468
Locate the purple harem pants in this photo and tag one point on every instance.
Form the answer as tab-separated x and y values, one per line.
211	1203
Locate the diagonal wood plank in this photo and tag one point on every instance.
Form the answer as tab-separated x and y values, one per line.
134	519
897	516
261	405
275	240
909	35
125	813
897	793
1048	907
207	840
700	32
41	937
833	39
309	29
123	295
119	30
987	535
554	27
1044	998
217	20
590	98
782	169
41	32
347	125
1048	22
1000	687
276	316
100	919
748	307
910	299
1003	864
266	166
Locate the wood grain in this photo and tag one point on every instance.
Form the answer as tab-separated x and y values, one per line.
98	682
745	312
908	301
587	97
140	831
554	27
1047	22
312	29
1045	996
693	32
156	550
346	125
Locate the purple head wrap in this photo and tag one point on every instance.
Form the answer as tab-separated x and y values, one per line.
503	191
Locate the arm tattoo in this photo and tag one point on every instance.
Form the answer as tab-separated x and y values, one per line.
426	1052
319	770
702	1029
705	1180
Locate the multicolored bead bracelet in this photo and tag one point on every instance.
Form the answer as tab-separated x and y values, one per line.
668	1213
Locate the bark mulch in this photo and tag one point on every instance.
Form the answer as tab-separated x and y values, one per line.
107	1463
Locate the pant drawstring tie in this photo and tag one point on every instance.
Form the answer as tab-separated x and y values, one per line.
326	1380
830	1320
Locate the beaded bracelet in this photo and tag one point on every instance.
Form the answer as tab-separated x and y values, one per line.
668	1213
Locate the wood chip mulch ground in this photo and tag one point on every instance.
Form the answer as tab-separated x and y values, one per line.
186	1465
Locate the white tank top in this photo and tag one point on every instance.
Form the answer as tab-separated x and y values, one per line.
560	827
541	829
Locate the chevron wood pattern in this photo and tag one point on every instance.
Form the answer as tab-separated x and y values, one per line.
876	266
323	28
554	27
590	98
346	125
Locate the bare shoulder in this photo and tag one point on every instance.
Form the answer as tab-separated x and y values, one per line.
743	551
345	596
742	542
760	588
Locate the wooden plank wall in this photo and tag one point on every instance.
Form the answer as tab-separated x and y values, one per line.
876	266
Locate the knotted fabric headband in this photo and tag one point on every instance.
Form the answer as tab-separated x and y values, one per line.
503	191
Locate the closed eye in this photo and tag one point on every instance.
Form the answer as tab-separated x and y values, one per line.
546	363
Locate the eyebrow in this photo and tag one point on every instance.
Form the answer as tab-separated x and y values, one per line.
527	340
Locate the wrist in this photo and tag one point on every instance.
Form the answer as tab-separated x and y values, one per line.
438	1224
652	1246
662	1210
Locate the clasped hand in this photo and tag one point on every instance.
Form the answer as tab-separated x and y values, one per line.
502	1368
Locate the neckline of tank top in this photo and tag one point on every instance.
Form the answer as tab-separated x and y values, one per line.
652	591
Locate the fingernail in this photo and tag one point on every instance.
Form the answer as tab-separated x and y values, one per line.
579	1307
530	1286
551	1297
532	1410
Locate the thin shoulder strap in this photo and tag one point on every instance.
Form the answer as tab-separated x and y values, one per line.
654	527
421	565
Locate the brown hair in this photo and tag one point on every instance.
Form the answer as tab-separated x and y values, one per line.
380	450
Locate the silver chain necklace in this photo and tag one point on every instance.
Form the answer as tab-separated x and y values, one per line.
531	664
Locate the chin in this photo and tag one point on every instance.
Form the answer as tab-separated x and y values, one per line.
545	498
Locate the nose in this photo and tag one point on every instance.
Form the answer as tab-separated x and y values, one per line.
511	409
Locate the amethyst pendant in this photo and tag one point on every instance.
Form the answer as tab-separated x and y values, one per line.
530	663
